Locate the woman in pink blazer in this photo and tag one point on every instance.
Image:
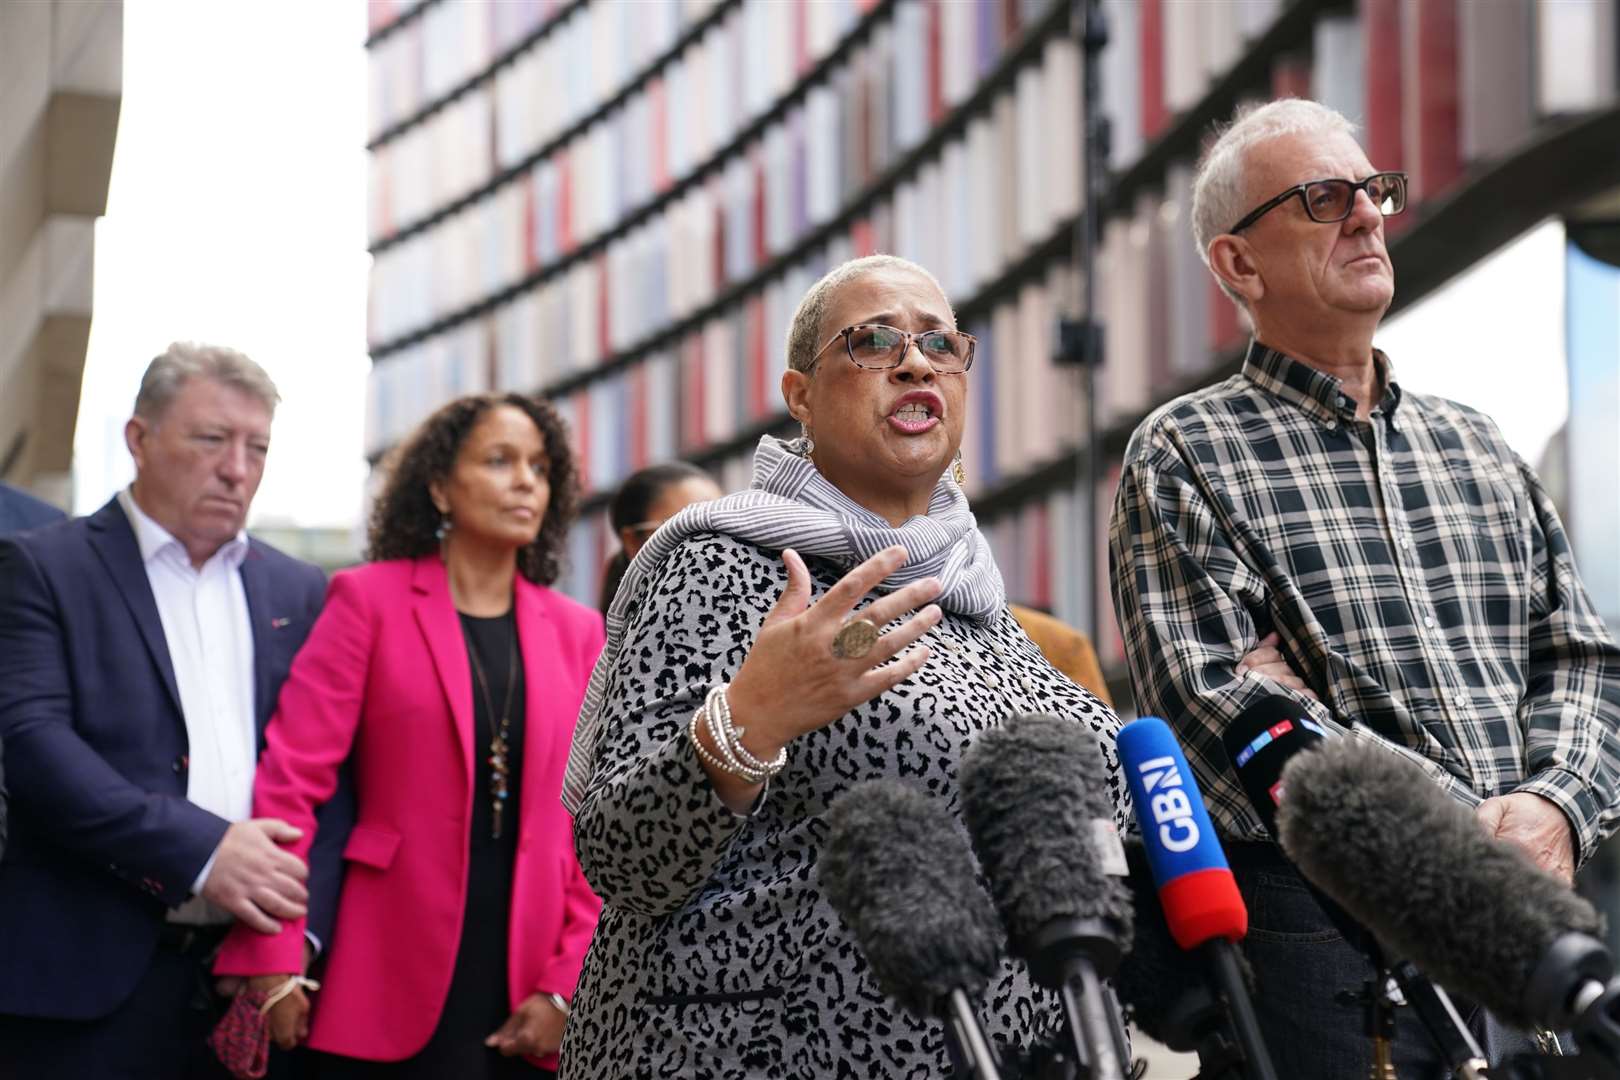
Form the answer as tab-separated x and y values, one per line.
450	676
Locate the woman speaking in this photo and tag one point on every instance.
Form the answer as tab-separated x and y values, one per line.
842	620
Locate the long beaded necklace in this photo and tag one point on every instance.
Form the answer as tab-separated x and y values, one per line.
500	769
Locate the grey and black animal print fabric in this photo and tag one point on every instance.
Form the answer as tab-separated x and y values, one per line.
717	955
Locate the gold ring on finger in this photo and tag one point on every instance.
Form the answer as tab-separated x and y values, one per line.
855	639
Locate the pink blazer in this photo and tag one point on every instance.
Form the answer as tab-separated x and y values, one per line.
385	675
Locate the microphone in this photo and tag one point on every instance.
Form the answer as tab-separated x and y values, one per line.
1036	801
1165	986
1201	902
1263	739
1413	865
1260	743
898	871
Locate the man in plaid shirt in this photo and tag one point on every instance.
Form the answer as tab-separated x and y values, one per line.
1403	561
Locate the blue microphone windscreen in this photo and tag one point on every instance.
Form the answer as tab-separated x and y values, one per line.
1176	829
1196	887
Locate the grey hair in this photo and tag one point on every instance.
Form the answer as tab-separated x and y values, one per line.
804	334
1220	191
185	360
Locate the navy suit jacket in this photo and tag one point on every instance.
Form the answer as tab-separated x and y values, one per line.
20	510
103	840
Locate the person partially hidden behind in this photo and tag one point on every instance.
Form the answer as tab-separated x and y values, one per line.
20	510
648	498
1387	545
141	650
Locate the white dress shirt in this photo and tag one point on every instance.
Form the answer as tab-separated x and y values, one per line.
206	625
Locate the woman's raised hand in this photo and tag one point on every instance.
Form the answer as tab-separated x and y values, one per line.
795	681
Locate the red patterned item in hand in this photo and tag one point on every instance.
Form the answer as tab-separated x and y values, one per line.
241	1039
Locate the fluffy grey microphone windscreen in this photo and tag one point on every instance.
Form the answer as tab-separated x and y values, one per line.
1032	791
1415	867
899	871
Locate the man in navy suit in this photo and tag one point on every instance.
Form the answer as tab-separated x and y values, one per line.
141	652
20	510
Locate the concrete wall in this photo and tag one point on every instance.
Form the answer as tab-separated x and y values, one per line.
61	73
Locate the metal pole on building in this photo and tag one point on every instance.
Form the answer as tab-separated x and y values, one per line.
1081	339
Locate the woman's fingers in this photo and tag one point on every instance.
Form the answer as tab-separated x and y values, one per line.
841	599
502	1037
287	1019
888	608
880	680
893	642
796	597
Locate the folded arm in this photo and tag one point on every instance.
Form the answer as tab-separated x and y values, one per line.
1188	603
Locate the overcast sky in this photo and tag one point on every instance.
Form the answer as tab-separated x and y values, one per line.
236	216
1494	339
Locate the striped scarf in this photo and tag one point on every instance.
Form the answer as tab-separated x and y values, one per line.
790	504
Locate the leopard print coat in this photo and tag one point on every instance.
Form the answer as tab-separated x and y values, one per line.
717	955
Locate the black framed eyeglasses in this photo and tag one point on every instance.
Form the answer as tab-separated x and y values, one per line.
877	347
1329	201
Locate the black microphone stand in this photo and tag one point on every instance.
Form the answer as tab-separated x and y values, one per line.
1073	956
1223	964
1464	1058
1378	1011
1204	1024
1597	1035
971	1055
1381	1024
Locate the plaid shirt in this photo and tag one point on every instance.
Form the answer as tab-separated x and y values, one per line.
1414	566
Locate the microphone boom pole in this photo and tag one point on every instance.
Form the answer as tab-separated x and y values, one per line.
980	1059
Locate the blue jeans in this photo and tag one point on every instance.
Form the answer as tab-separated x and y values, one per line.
1301	967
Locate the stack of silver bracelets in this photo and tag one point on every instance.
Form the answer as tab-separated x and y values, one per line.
734	758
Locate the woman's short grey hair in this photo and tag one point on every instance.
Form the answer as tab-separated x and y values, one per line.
186	360
1220	192
805	333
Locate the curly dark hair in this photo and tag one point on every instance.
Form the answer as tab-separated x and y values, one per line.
404	521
